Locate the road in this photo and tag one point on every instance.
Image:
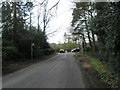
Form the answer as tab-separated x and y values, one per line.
60	71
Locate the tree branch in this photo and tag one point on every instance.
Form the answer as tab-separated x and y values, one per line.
54	5
53	31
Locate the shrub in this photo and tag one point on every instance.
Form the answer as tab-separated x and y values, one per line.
49	51
10	53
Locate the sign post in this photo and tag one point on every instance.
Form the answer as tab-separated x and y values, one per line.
32	44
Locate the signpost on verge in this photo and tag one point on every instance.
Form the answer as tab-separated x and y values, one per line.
32	44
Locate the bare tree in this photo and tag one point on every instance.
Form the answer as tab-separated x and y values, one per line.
47	14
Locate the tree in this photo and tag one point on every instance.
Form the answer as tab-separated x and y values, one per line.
105	25
47	14
18	33
102	20
82	16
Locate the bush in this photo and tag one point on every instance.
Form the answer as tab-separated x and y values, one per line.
49	51
37	52
88	49
10	53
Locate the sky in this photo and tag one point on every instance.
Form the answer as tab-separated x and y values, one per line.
62	20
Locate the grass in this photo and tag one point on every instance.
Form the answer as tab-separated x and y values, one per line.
106	76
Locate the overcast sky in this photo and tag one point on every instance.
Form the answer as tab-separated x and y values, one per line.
61	20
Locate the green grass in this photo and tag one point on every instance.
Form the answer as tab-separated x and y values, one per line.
107	76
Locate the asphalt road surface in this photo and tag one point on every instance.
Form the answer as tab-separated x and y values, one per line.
60	71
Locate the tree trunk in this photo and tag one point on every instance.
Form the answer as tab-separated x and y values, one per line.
93	37
94	45
44	20
38	23
14	22
85	45
30	19
88	33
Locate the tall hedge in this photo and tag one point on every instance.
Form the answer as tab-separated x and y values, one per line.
107	27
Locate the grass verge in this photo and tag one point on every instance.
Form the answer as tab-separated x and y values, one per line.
106	76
